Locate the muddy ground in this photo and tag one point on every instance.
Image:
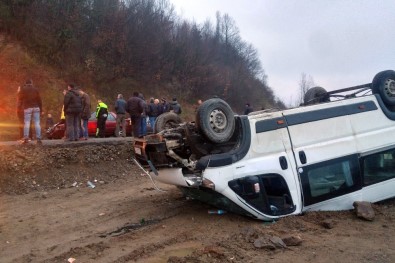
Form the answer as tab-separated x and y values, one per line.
49	214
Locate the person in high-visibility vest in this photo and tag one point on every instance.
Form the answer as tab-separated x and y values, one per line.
101	116
63	118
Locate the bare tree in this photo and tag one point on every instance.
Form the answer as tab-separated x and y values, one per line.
306	82
140	43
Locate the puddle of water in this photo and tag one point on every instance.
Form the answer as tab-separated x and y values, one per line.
178	250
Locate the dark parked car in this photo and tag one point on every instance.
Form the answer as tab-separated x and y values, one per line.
58	129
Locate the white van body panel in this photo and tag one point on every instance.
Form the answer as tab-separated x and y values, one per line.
377	192
322	139
301	139
171	176
344	202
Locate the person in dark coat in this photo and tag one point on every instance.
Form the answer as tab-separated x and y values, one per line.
135	108
85	114
154	111
143	124
165	107
199	102
175	106
120	109
248	109
72	109
30	101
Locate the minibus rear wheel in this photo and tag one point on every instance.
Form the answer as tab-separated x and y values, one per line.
215	120
384	85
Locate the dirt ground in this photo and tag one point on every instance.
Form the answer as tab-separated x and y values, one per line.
49	214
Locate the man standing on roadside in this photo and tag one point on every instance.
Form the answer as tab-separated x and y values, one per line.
72	109
154	111
165	107
85	115
143	124
63	117
101	116
175	106
30	101
120	109
199	102
135	107
248	109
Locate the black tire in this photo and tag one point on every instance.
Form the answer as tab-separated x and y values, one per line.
215	120
384	85
166	120
315	95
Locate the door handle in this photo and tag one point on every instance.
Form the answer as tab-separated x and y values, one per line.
302	157
283	162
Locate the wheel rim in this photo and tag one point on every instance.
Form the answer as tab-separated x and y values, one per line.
218	120
389	87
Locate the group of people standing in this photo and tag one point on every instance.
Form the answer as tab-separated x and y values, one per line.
140	111
76	112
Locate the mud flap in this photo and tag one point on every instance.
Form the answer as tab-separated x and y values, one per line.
153	169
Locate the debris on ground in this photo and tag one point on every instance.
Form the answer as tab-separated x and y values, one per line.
364	210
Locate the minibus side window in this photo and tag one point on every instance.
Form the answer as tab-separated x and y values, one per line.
268	193
379	167
330	179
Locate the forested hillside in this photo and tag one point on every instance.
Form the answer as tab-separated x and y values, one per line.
112	46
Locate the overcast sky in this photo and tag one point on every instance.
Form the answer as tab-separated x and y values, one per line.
339	43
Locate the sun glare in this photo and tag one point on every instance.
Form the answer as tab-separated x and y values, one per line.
8	125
